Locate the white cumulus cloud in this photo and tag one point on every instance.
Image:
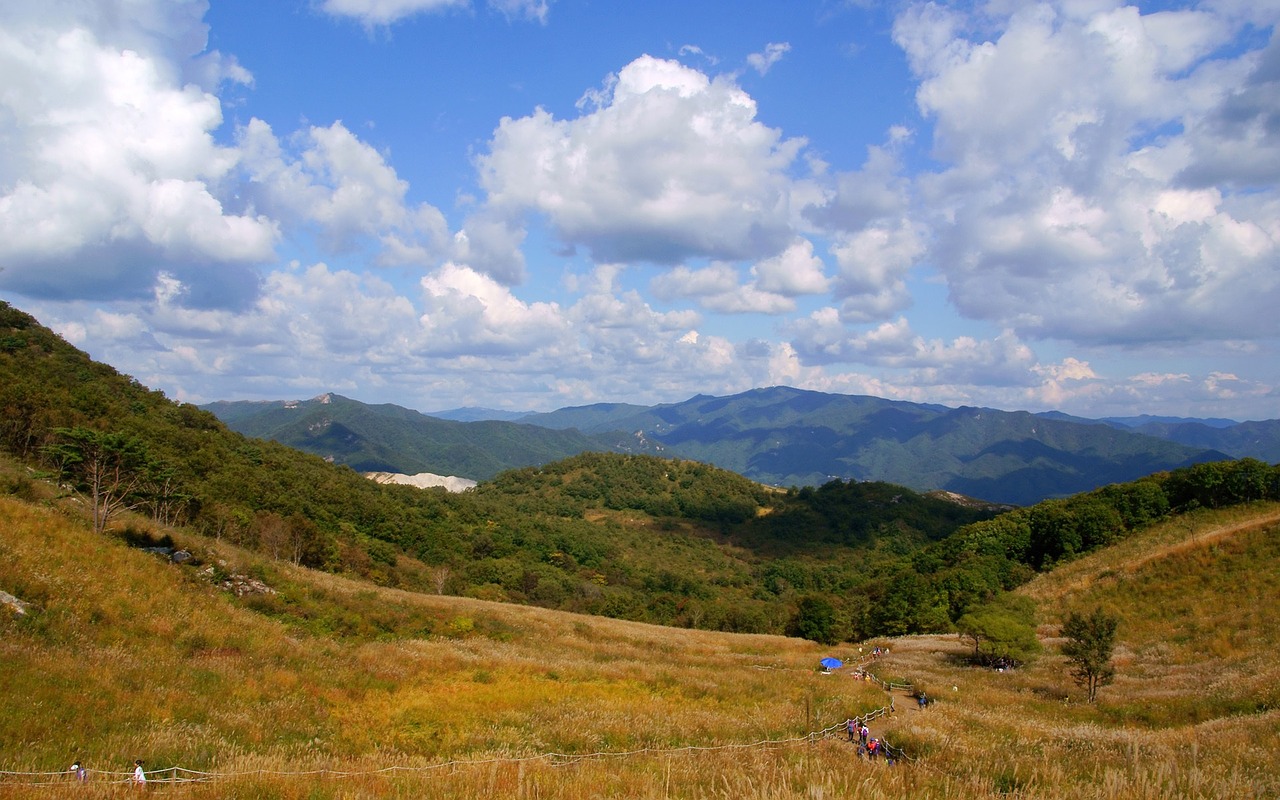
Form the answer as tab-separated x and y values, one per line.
111	172
666	165
1072	136
328	178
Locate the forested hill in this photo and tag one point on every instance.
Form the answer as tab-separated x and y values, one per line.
631	536
389	438
790	437
671	541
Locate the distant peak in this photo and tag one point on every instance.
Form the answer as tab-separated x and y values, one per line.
325	398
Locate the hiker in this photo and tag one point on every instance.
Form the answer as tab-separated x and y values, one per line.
923	701
863	733
873	748
851	727
78	772
139	775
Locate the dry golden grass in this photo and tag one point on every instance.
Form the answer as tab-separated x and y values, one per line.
1194	710
130	657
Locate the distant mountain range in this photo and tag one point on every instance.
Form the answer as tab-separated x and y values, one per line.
1256	439
477	414
779	435
390	438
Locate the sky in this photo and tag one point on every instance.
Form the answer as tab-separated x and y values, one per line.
533	204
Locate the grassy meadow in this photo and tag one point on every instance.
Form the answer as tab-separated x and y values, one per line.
332	688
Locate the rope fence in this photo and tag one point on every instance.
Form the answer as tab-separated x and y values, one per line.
181	775
176	775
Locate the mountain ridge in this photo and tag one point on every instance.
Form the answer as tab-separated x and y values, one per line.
390	438
781	436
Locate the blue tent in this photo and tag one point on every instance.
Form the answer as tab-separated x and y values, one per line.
831	663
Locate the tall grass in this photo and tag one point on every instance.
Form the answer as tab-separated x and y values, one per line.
333	689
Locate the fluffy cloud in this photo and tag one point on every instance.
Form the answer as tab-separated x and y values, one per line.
771	289
112	177
111	172
345	189
1238	142
822	338
467	312
873	266
536	10
1098	176
717	288
875	241
668	165
793	272
1072	134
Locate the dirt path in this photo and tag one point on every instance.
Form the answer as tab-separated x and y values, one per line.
902	701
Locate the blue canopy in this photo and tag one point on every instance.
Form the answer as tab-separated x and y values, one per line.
831	663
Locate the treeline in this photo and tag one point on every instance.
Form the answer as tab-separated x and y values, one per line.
933	588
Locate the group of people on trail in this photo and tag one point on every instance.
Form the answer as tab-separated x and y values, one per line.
867	745
81	775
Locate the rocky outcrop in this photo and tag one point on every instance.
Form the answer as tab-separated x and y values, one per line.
239	585
423	480
15	605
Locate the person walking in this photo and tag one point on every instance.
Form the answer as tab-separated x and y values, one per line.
139	775
78	772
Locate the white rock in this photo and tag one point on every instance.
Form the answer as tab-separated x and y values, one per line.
423	480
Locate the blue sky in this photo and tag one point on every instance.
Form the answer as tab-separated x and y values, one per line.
530	204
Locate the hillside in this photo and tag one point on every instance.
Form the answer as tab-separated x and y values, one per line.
140	658
633	537
335	688
389	438
1194	710
789	437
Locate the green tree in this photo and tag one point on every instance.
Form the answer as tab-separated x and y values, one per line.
815	619
1090	641
110	467
1002	631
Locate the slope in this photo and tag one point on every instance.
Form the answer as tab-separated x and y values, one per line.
138	657
1194	710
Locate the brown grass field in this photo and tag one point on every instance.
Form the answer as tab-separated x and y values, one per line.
336	689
